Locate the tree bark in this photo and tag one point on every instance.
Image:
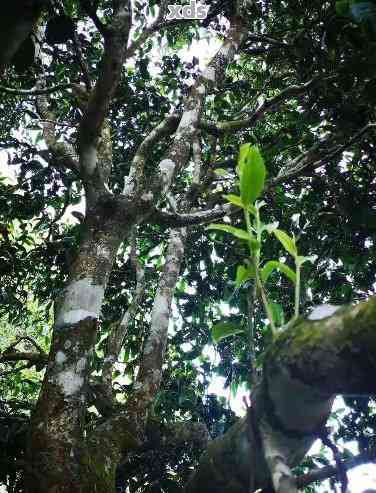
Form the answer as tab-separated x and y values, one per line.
57	427
307	365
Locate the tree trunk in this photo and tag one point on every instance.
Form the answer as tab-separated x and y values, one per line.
57	427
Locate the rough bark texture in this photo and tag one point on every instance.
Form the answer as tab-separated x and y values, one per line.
57	423
309	363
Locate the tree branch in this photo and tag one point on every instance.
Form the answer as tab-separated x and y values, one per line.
90	10
154	26
177	220
166	127
62	152
326	472
116	337
34	358
115	44
309	362
309	160
218	128
34	92
179	152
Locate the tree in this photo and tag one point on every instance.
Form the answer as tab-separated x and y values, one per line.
151	149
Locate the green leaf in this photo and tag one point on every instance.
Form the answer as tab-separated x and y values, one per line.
277	313
252	173
287	242
243	154
221	172
225	329
255	245
239	233
272	265
302	260
236	200
244	273
342	7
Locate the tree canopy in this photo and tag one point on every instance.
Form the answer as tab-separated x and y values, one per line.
132	146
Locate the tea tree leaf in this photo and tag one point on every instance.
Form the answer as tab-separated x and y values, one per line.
243	274
287	242
237	232
272	265
252	173
225	329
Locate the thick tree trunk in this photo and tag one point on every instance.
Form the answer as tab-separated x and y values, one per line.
57	427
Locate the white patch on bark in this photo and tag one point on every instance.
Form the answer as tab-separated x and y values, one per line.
89	159
67	344
82	300
201	89
159	322
276	458
160	313
128	185
60	358
147	196
323	311
209	74
156	376
226	48
103	251
167	167
81	364
187	120
70	382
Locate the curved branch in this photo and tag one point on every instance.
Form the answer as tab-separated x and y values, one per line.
115	44
179	152
308	363
34	92
177	220
310	160
164	128
218	128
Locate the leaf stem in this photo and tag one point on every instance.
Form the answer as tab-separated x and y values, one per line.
255	256
297	288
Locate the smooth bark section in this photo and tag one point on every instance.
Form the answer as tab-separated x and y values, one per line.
150	372
309	363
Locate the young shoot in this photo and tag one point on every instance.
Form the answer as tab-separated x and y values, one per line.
251	171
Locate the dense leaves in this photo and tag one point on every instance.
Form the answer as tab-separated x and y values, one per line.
329	208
